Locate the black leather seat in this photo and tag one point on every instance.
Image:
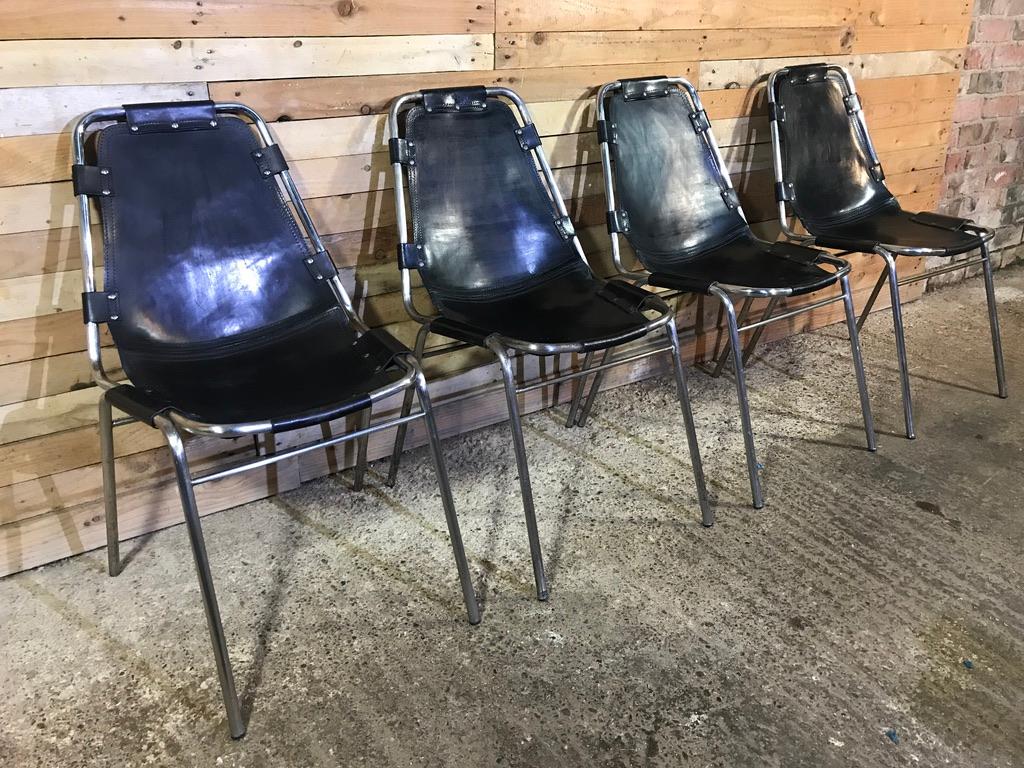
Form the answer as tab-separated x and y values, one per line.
897	231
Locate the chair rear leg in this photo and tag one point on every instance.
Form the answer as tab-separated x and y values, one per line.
741	393
403	429
755	337
872	298
236	725
858	363
362	446
993	321
595	387
727	349
581	384
519	445
454	532
707	515
901	344
106	425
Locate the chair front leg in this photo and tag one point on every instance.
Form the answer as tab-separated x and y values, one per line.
519	445
993	321
236	725
454	532
741	393
106	424
726	350
403	429
707	515
901	344
858	362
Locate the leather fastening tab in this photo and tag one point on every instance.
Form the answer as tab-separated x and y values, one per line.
320	265
783	191
731	198
776	112
170	116
471	98
618	221
528	137
930	219
91	180
410	255
270	160
565	227
700	121
852	102
795	253
379	346
605	132
645	87
877	173
99	306
625	295
401	151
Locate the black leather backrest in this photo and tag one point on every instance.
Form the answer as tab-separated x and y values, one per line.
824	152
479	207
198	245
666	180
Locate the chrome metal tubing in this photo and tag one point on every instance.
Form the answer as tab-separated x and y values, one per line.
901	344
752	343
595	387
858	363
727	347
955	267
403	428
362	445
741	393
519	446
236	725
570	419
791	313
707	515
106	426
993	320
879	284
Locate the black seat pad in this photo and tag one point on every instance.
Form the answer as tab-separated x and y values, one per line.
310	371
571	307
749	263
894	229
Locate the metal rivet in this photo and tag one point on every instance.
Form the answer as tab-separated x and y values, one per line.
106	191
266	173
114	317
319	277
419	247
412	162
111	296
309	261
104	171
259	155
174	125
135	128
213	123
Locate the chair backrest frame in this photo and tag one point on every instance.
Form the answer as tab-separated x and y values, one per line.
109	115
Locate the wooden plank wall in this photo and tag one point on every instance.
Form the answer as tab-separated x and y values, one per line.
324	73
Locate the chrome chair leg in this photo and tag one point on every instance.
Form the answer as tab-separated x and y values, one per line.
195	534
727	348
993	321
519	444
443	484
707	515
872	298
901	344
741	392
755	337
595	387
362	446
396	451
581	384
858	363
106	424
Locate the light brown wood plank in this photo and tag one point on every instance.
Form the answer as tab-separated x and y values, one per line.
919	37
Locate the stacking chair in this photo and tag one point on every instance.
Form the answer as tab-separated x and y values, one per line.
229	322
670	196
828	174
495	248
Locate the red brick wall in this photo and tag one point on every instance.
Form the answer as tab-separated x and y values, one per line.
984	177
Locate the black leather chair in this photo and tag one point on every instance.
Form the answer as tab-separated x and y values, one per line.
495	248
670	196
828	174
228	321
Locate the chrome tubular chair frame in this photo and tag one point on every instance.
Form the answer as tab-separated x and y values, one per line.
175	425
727	294
887	252
505	349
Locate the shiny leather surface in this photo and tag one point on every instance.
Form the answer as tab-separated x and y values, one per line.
749	263
824	154
217	313
667	182
896	229
479	208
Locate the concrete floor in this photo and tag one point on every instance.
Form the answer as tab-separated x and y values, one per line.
871	615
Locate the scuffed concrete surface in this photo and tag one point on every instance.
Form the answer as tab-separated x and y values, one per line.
797	635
